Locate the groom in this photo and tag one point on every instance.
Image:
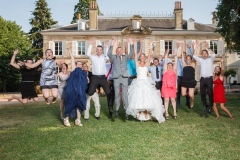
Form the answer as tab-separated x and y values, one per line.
120	74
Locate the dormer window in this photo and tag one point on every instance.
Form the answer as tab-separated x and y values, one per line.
136	22
190	24
136	27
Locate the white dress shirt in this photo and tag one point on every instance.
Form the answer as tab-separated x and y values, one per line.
206	65
98	62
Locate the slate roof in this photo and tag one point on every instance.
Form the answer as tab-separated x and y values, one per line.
117	24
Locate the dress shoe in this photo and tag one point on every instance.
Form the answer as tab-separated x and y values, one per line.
98	118
85	119
110	115
205	109
116	114
209	109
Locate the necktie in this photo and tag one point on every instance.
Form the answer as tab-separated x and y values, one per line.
120	58
157	72
109	71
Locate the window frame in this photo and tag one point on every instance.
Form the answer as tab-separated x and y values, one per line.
58	48
80	50
214	46
167	46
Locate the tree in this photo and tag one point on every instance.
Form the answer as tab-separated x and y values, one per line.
11	37
82	7
41	20
231	73
228	17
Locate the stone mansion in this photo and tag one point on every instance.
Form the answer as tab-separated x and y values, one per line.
164	30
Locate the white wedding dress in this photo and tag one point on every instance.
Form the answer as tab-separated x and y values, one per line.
143	96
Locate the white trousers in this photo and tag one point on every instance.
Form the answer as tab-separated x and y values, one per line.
95	98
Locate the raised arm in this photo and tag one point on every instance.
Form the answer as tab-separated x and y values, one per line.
106	47
212	55
183	60
160	59
176	60
141	44
131	48
34	64
165	60
12	62
89	51
110	50
135	53
194	52
150	56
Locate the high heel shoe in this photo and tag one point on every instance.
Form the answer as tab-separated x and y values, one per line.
175	117
166	116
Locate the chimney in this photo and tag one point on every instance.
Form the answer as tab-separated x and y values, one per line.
81	23
214	19
93	15
178	12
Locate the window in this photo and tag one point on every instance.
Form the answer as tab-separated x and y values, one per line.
58	48
58	70
213	46
168	45
81	48
138	46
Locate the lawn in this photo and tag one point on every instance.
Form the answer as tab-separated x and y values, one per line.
35	131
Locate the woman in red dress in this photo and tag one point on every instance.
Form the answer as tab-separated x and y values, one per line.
218	90
169	84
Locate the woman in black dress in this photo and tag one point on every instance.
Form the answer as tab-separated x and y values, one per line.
188	81
27	86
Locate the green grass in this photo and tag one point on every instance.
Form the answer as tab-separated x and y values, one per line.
35	131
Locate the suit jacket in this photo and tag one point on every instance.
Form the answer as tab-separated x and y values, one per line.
119	67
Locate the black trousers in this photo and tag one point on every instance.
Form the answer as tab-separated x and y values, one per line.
111	97
179	91
101	81
206	87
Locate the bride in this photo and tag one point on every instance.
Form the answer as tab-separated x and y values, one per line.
144	101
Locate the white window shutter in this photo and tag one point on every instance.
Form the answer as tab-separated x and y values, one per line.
162	47
63	48
86	47
147	47
220	47
52	46
174	45
75	48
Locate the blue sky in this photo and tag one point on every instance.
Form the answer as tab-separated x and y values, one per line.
62	10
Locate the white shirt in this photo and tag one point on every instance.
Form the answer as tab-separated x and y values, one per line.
206	65
98	63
